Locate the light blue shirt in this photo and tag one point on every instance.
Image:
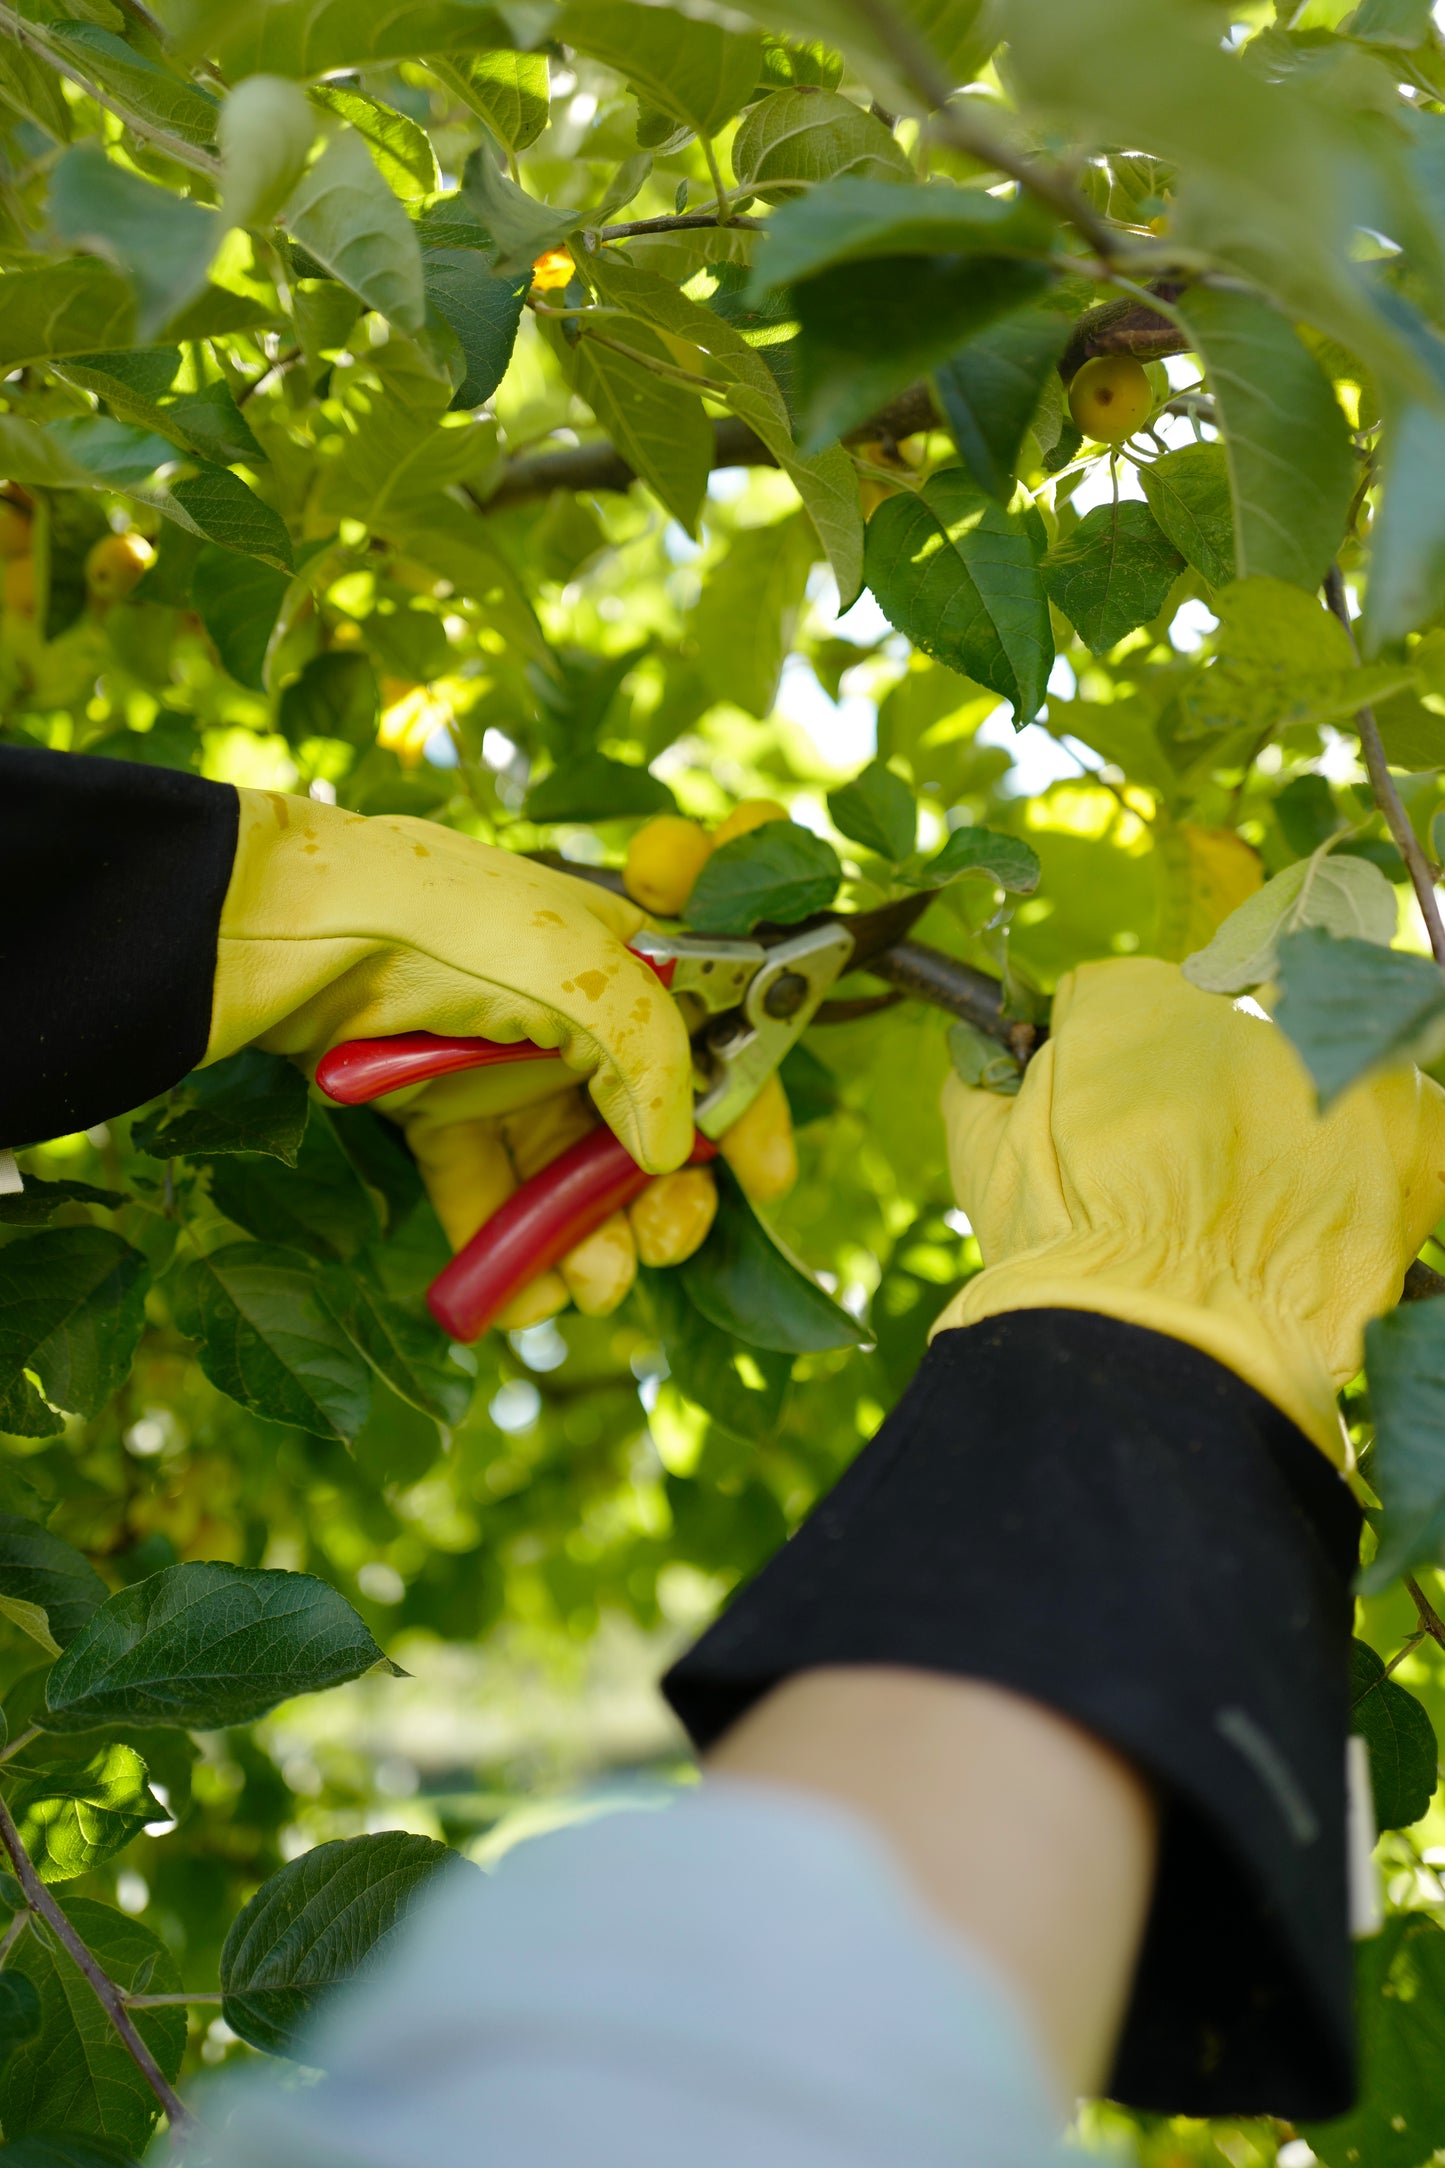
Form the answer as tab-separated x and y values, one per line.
742	1980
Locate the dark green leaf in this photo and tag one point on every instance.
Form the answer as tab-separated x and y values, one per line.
1008	860
238	600
810	1084
40	1201
1351	1007
779	872
219	507
658	426
250	1102
1400	1996
1188	493
481	308
696	72
19	2014
989	391
1292	468
703	1363
163	242
1112	573
594	788
334	697
266	1341
374	1147
1400	1737
324	1920
74	2076
203	1645
300	38
851	221
347	219
36	1568
64	308
72	1309
746	1285
1412	735
1407	557
960	576
62	2149
73	1816
320	1205
403	1346
1405	1362
111	451
877	809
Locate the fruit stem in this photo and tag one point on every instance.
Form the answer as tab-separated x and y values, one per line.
1387	798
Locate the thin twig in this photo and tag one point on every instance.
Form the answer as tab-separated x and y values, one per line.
13	1746
682	222
107	1994
1430	1619
185	154
278	367
665	369
1399	1656
12	1934
161	2002
1387	798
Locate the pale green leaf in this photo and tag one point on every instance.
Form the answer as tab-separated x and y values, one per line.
143	86
658	426
402	150
1188	493
519	227
162	242
73	1816
392	462
1008	860
511	92
344	215
796	138
265	132
32	89
319	37
697	72
1407	558
1351	1008
1111	573
761	584
878	810
1347	897
1283	662
64	308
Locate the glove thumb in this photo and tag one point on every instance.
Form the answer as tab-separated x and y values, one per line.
975	1122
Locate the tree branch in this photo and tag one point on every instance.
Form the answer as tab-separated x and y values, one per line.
1429	1617
185	154
1422	1283
107	1994
676	222
1387	798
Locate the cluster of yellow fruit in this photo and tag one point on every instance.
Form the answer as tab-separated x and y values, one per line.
112	568
666	856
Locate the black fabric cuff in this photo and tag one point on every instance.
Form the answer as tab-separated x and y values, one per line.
112	878
1111	1523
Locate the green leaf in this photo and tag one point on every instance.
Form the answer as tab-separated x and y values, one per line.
335	697
520	228
1188	493
73	1816
482	309
62	2149
868	328
33	90
1400	1737
779	872
746	1285
1112	574
403	1346
38	1570
981	1063
1407	555
761	583
111	451
219	507
320	1205
319	37
40	1201
704	1363
266	1341
238	600
594	788
72	1309
325	1919
74	2077
1343	896
1412	734
203	1645
510	91
344	215
1008	860
1405	1364
1351	1007
990	389
851	220
1400	1995
1292	468
659	427
960	576
1390	22
266	129
64	308
250	1102
694	71
402	151
797	138
145	88
1283	663
162	242
877	809
19	2017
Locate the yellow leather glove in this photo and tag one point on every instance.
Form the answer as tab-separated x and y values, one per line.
1164	1163
336	927
472	1157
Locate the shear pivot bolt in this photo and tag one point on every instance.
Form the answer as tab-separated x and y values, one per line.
786	995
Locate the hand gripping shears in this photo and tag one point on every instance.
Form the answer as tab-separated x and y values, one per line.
745	1003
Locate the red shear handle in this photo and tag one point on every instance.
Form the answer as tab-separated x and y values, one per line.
364	1069
536	1226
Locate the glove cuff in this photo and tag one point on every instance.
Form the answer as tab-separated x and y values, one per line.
1269	1351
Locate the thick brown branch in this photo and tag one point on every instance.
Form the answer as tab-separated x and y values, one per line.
1123	327
1429	1617
1422	1283
107	1994
1387	798
599	467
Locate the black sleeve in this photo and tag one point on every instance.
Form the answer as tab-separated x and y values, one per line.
112	877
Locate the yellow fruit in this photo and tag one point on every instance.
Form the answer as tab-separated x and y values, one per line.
20	586
600	1270
552	270
759	1147
1110	398
115	565
14	530
672	1217
749	814
663	861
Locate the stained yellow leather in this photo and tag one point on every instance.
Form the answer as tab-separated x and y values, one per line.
1164	1163
336	927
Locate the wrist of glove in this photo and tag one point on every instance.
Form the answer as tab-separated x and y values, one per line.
1164	1163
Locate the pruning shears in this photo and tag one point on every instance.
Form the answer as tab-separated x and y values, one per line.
746	1003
